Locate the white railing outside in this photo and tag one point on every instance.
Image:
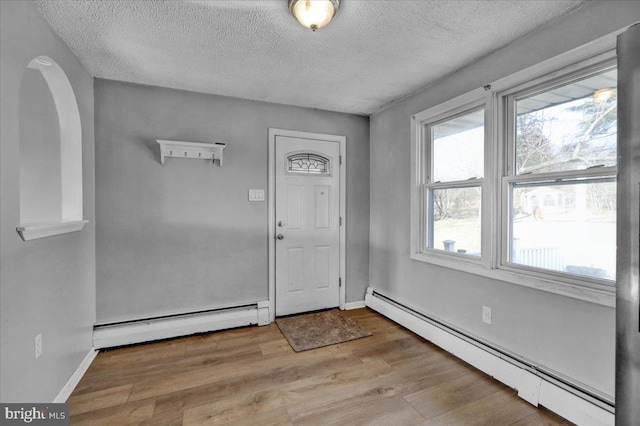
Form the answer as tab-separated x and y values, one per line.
540	257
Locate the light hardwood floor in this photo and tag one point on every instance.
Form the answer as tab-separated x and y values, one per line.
250	376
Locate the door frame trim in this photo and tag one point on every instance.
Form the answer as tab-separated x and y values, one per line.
271	184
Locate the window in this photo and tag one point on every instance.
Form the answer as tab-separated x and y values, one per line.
561	176
517	180
308	163
449	179
454	183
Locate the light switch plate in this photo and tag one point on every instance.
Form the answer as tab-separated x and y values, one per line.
486	314
256	195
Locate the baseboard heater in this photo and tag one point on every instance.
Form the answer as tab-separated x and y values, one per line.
534	383
169	326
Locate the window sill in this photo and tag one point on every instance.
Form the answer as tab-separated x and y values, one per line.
600	294
35	231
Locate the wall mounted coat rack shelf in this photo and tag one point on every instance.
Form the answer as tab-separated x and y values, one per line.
197	150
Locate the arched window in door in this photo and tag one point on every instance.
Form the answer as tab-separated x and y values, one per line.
308	163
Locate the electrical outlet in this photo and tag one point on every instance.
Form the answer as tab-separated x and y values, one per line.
38	345
486	314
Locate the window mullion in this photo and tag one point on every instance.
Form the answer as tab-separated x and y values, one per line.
490	198
506	161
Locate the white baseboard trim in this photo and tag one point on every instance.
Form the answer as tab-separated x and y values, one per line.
355	305
73	381
531	387
182	325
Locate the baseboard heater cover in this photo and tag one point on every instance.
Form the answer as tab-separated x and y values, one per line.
141	331
532	385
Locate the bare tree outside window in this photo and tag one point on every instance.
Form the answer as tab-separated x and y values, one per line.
564	135
455	196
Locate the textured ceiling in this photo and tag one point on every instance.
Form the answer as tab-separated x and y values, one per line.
372	54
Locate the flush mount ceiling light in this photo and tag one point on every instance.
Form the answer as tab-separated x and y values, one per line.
314	14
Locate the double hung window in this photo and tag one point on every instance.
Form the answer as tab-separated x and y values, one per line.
560	182
520	181
453	189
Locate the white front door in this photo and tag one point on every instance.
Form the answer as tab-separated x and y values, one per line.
307	229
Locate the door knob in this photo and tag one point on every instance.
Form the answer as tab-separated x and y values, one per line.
280	224
280	237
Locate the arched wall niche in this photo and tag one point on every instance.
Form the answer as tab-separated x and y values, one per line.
50	153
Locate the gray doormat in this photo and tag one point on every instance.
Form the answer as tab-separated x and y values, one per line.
318	329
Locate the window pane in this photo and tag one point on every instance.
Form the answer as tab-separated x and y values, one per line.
568	228
570	127
308	163
455	220
458	148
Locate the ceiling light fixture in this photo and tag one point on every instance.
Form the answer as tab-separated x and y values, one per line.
314	14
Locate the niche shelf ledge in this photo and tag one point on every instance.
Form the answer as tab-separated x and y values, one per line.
193	150
35	231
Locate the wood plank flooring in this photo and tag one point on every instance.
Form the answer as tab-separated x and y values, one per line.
251	376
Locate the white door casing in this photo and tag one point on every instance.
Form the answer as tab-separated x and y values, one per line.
306	266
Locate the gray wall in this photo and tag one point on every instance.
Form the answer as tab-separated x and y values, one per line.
40	196
184	237
47	285
572	337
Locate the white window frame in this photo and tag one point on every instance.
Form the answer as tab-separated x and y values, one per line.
422	167
494	260
508	98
